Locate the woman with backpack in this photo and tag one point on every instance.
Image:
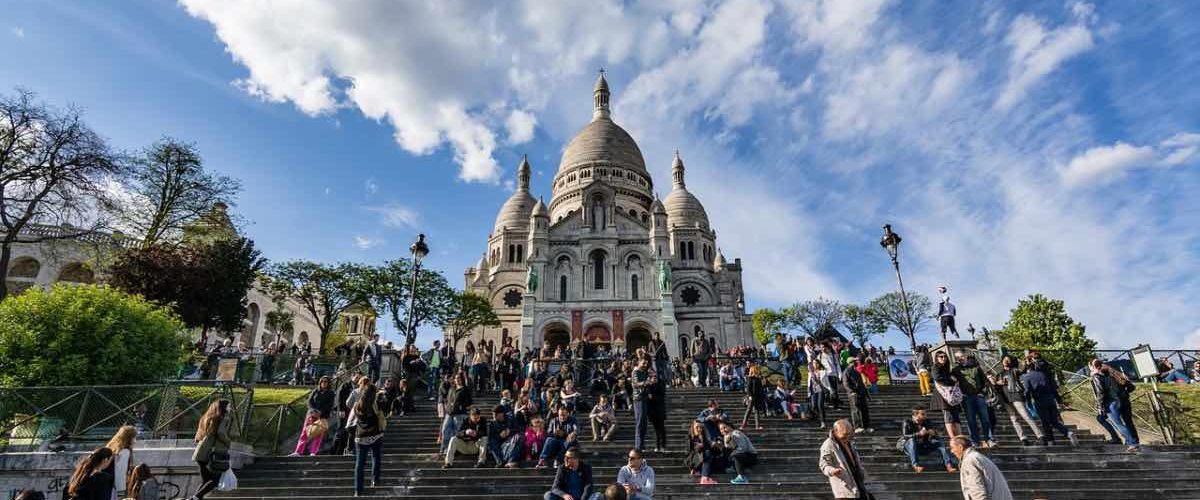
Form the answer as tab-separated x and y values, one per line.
212	446
369	423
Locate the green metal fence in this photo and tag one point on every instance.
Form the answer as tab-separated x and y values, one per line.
31	416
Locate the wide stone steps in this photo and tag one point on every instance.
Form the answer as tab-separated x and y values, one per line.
788	450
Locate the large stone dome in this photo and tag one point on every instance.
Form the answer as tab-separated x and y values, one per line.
603	141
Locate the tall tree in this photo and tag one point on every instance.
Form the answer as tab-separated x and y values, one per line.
324	290
766	322
1043	324
814	316
467	312
167	188
862	323
390	285
53	173
204	283
890	308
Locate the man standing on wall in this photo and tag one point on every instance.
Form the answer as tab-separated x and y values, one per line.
946	313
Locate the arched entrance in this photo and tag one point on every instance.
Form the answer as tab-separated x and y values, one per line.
637	337
557	335
598	333
685	346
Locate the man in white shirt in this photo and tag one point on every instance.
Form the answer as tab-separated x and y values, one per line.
946	313
637	477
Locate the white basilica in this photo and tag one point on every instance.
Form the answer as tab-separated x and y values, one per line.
606	261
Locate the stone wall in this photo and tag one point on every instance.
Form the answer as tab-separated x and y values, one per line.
49	472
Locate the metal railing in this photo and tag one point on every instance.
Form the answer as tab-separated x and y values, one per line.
1157	414
274	422
31	417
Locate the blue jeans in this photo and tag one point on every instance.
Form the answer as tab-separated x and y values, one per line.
507	451
1174	375
816	399
639	423
450	426
360	461
434	381
554	448
977	415
787	371
1113	412
915	449
874	388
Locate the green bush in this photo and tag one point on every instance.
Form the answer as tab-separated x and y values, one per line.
86	335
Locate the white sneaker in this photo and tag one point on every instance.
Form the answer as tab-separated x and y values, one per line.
1074	440
859	430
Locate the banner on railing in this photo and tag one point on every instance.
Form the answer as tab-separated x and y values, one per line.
901	369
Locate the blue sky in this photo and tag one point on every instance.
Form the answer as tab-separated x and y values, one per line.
1019	147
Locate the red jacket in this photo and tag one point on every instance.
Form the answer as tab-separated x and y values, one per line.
870	371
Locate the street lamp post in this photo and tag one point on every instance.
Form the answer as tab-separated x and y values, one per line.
741	310
419	250
891	243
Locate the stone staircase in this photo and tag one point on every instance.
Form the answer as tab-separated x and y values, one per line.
788	468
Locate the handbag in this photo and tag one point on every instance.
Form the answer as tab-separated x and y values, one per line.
218	461
953	395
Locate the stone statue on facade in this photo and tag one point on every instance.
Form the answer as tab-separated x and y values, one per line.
531	282
664	276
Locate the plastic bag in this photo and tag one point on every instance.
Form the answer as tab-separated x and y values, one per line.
228	481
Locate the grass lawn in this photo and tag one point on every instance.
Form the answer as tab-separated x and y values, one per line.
278	395
1189	397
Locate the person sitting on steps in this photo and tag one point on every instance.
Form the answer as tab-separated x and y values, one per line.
467	440
918	438
603	419
561	435
573	480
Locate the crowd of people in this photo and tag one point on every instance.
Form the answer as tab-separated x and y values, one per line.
550	398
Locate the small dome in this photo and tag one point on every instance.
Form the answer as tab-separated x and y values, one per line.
540	210
603	140
684	209
719	262
515	212
657	207
482	264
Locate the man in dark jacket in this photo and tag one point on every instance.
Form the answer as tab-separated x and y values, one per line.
639	380
466	441
656	410
858	393
573	481
918	438
373	356
503	439
972	381
343	434
1041	390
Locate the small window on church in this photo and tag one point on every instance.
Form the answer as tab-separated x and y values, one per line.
562	288
691	250
633	213
633	287
520	253
682	250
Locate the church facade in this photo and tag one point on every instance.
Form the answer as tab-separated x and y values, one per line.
606	261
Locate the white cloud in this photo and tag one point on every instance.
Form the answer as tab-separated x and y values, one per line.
520	125
804	125
365	242
1109	162
18	31
1106	161
395	215
836	25
371	186
1036	53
